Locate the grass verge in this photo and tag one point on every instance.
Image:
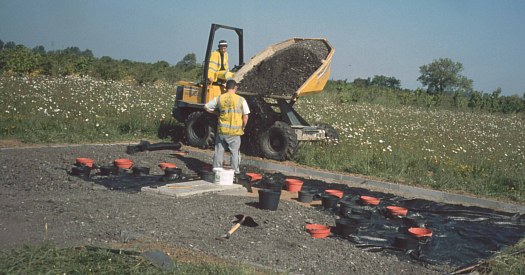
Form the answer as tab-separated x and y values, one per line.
49	259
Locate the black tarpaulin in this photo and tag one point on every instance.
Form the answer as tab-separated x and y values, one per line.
461	235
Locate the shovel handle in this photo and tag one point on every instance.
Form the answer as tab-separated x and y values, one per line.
235	227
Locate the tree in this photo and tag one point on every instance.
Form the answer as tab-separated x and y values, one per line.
39	49
385	81
72	51
83	65
495	100
443	76
9	45
1	45
460	99
87	53
187	63
362	82
512	104
475	100
108	69
19	60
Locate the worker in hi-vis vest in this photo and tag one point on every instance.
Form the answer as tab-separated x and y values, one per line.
233	113
218	69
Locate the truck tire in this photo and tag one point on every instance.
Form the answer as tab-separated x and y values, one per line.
279	142
200	130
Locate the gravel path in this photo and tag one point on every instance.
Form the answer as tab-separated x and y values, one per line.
36	189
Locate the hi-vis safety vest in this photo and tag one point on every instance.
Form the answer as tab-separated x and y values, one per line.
218	69
230	118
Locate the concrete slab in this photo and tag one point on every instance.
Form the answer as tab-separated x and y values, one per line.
188	188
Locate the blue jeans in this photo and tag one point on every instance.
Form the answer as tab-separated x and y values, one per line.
233	143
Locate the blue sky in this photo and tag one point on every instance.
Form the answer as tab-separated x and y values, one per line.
376	37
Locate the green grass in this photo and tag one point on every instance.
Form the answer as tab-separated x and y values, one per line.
456	151
49	259
72	109
508	261
478	153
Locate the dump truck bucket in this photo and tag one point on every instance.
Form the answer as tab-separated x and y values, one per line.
314	83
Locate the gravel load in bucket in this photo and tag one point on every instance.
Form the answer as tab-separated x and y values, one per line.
283	73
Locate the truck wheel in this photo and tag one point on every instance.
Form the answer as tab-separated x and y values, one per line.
279	142
200	130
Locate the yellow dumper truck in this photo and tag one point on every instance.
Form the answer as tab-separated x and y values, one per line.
271	82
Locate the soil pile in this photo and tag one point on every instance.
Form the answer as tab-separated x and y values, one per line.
284	72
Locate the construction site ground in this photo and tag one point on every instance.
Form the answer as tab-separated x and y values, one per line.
42	201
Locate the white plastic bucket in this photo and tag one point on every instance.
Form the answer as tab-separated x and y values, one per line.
223	176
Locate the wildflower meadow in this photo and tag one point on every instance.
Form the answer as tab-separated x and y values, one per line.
473	152
81	109
470	152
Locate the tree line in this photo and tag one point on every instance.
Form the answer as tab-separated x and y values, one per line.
443	84
374	91
16	59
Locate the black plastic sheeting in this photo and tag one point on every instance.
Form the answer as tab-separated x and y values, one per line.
461	235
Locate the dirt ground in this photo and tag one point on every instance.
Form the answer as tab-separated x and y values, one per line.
40	200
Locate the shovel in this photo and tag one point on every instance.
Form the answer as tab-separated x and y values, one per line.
241	220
